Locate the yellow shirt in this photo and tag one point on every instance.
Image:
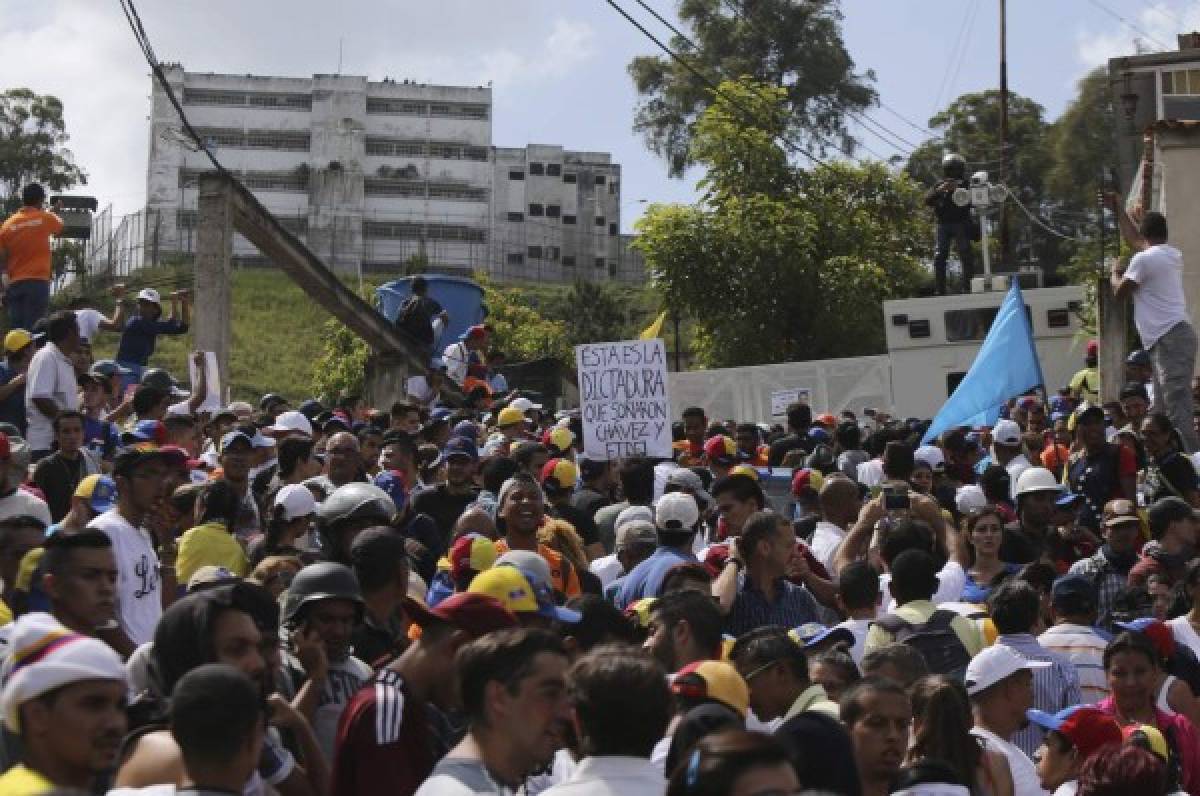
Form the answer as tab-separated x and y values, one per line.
21	781
210	544
1086	383
918	612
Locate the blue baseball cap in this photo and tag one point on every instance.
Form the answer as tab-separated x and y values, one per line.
819	434
545	600
100	492
440	414
461	446
234	436
392	482
466	429
109	367
1067	498
147	431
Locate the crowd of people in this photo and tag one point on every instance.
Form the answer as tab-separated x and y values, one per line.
333	600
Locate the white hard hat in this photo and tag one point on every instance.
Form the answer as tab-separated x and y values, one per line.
1036	479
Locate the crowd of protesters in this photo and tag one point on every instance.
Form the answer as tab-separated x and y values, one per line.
331	600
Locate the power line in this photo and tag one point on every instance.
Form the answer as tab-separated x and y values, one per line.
1127	23
919	128
1162	12
1038	221
959	42
715	88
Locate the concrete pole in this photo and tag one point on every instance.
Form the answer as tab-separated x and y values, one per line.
212	324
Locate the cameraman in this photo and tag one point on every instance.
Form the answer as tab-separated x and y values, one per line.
953	223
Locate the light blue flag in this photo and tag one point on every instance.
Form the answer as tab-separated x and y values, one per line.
1006	366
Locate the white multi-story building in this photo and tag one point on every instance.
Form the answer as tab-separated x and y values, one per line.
375	174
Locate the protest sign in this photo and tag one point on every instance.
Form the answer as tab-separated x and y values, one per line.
623	399
781	399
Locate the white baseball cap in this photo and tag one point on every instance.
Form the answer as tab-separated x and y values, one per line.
994	664
676	511
297	501
524	404
1006	432
969	498
291	422
933	456
149	294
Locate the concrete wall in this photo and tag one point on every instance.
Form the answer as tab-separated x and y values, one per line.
1180	154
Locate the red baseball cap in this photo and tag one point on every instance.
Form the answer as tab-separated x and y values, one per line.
1093	348
720	449
1089	729
477	614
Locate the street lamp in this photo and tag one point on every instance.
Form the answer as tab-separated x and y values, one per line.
983	196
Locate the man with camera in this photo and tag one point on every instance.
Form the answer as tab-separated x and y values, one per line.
953	223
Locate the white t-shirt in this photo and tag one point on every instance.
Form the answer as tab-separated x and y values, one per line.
342	683
139	588
607	568
826	541
1025	777
951	580
22	502
52	376
88	320
1158	302
870	472
418	388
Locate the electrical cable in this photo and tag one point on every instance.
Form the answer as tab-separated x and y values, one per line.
1128	24
959	42
1038	221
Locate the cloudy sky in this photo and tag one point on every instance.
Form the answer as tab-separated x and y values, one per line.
557	66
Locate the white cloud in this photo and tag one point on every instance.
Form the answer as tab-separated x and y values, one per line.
569	45
1157	25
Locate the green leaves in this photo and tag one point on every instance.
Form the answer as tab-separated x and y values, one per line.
776	263
33	145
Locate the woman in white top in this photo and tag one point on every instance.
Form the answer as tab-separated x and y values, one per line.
1186	628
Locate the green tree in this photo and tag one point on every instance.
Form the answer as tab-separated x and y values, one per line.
341	364
520	330
792	44
1082	144
33	141
775	263
593	313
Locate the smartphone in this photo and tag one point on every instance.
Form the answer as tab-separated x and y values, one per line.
896	501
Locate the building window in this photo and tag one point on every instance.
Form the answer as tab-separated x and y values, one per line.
536	210
395	107
570	178
552	253
535	169
612	188
601	179
1181	81
552	211
569	220
516	175
568	261
516	258
535	252
600	221
286	102
553	169
601	262
612	228
515	216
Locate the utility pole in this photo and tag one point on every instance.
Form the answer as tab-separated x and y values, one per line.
1005	244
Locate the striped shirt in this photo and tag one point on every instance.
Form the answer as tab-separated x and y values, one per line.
1108	580
1054	687
1084	647
793	606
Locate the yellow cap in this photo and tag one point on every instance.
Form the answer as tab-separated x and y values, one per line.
29	564
510	416
507	585
561	438
716	680
745	469
17	339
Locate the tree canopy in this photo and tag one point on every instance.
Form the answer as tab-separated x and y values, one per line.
33	141
776	263
794	45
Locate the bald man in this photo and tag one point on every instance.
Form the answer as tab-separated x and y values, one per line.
841	501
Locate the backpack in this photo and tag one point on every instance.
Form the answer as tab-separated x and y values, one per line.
936	640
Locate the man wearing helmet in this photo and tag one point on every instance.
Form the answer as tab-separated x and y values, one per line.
321	608
347	511
953	223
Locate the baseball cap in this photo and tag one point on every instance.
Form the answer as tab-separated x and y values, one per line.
746	470
494	445
45	656
807	478
471	552
297	501
147	431
1148	737
234	436
510	416
826	419
676	511
933	456
634	513
527	561
473	332
291	422
467	430
1074	586
392	482
1093	348
149	294
720	449
562	472
524	404
462	447
1086	727
689	481
17	339
107	368
1138	357
99	491
636	532
594	468
475	613
1006	432
715	680
1156	632
132	456
311	408
819	434
1120	512
210	575
271	399
558	438
515	589
994	664
1067	498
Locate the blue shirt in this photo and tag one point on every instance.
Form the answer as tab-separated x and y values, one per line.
793	606
12	408
100	437
646	578
140	335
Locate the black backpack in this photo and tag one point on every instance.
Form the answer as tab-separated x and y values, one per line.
414	319
936	640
